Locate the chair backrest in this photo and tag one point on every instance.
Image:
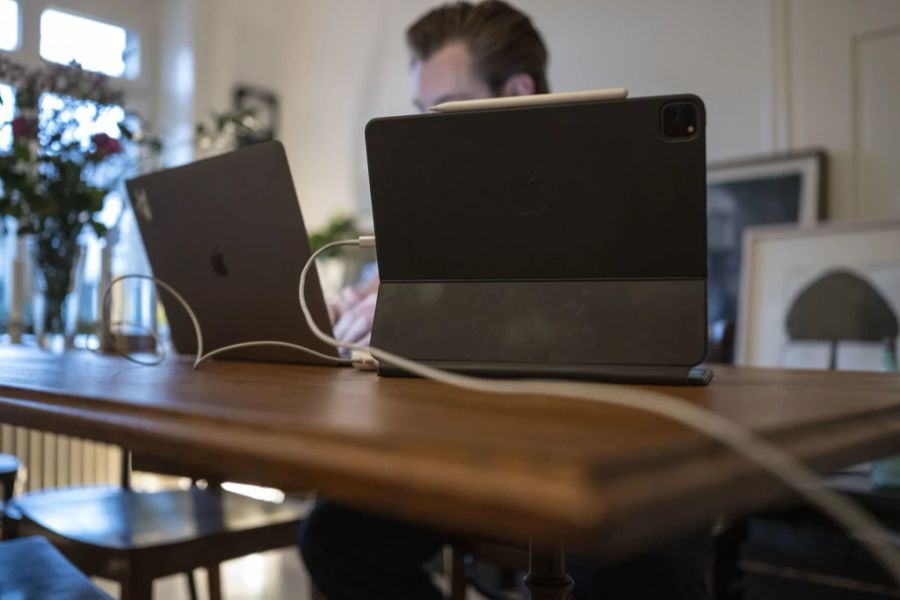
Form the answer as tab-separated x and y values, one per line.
843	306
32	568
155	464
9	468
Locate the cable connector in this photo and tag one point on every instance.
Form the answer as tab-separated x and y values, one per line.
367	241
363	361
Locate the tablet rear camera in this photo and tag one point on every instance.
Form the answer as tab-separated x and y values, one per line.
679	121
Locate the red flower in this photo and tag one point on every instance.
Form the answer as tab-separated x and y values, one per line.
105	145
24	128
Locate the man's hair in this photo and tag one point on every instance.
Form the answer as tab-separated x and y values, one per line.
501	40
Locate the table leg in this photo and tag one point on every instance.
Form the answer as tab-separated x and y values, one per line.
547	578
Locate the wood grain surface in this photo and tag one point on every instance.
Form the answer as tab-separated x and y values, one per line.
609	479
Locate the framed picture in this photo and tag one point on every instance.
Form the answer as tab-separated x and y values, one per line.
801	285
785	188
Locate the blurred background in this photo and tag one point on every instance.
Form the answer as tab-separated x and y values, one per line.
776	75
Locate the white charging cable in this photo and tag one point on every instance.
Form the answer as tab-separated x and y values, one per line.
858	523
200	356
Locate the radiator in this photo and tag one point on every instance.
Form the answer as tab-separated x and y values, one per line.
50	460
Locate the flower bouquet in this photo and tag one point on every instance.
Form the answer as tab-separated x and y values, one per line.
57	175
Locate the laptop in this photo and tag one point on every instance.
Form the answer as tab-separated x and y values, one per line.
562	240
227	234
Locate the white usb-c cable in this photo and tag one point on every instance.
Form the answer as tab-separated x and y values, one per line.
200	356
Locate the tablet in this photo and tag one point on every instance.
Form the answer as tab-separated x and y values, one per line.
562	240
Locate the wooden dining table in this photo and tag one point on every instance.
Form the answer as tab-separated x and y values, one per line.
603	479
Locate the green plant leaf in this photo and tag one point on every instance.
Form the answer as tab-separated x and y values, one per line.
21	151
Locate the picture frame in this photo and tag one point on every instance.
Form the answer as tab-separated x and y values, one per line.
781	262
785	188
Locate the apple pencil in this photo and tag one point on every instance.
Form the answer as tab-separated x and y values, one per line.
535	100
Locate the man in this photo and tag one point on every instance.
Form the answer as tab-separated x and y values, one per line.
461	51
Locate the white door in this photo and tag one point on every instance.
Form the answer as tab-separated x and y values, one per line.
838	62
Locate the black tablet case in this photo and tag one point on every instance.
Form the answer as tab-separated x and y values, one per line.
562	241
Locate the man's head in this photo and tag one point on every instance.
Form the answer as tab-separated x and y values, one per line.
464	51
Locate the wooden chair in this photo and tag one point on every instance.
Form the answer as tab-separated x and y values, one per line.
134	538
796	554
510	562
781	554
9	469
32	568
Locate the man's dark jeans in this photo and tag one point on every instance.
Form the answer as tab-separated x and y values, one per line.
352	555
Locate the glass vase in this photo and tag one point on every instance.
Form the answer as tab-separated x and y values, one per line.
16	284
131	310
57	267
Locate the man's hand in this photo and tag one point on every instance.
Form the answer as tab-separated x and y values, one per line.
354	324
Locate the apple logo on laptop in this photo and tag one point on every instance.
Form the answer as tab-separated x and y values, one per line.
142	204
217	259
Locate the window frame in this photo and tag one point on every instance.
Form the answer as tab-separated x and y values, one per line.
129	34
140	18
18	28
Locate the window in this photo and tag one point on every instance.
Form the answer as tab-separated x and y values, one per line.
95	45
6	115
9	24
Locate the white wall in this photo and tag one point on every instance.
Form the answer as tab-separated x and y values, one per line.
841	91
336	64
177	71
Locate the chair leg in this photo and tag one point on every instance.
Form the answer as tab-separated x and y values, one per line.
458	580
9	528
192	584
136	587
8	482
215	582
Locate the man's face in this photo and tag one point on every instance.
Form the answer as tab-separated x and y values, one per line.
446	75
